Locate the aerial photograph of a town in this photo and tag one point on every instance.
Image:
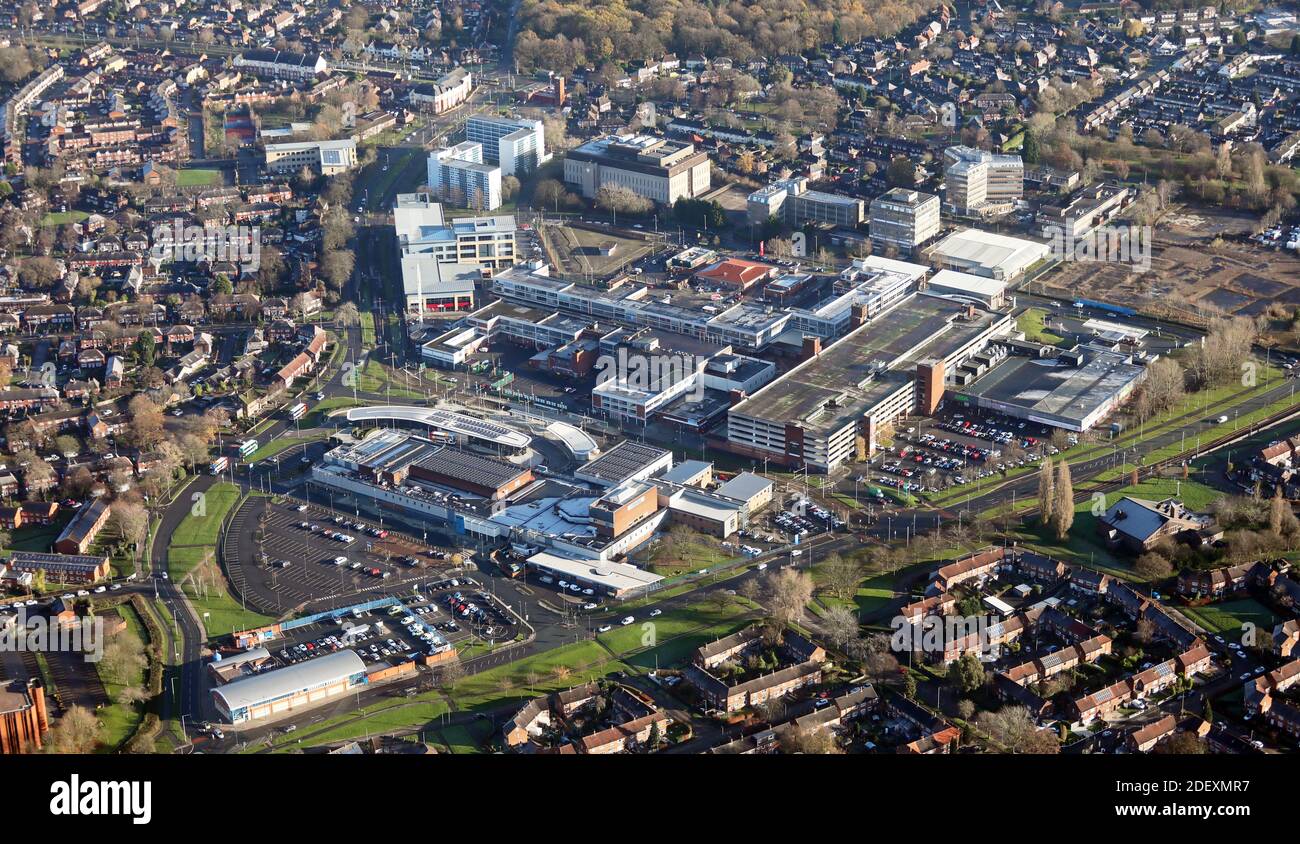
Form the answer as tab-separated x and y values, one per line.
650	377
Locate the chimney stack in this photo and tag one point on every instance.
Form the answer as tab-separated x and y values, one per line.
812	347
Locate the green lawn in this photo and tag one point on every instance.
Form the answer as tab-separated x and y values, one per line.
872	594
1031	322
317	415
466	739
558	668
118	721
382	717
39	537
193	543
59	218
376	378
1229	617
203	527
706	621
367	329
197	178
281	444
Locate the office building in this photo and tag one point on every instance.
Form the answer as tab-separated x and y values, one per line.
328	158
790	201
660	170
448	92
459	176
904	219
982	183
422	229
517	146
443	261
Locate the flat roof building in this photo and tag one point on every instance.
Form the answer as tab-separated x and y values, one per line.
24	719
329	158
285	690
443	260
494	479
1074	391
996	256
658	169
983	291
458	175
1081	213
627	461
615	579
791	201
422	228
904	220
754	491
517	145
893	364
981	182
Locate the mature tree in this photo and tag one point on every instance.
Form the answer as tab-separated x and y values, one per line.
1164	387
796	739
1030	150
67	445
901	173
122	662
966	674
1046	491
788	592
1182	743
1280	515
1014	729
1222	352
347	315
336	267
841	575
1063	506
1152	566
132	522
509	188
550	194
146	348
840	625
146	420
37	474
77	731
620	199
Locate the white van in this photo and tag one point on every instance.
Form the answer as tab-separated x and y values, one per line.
625	622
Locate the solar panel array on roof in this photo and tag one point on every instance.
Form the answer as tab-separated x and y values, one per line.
478	471
623	461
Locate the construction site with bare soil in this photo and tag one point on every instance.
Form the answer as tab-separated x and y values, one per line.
1203	266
